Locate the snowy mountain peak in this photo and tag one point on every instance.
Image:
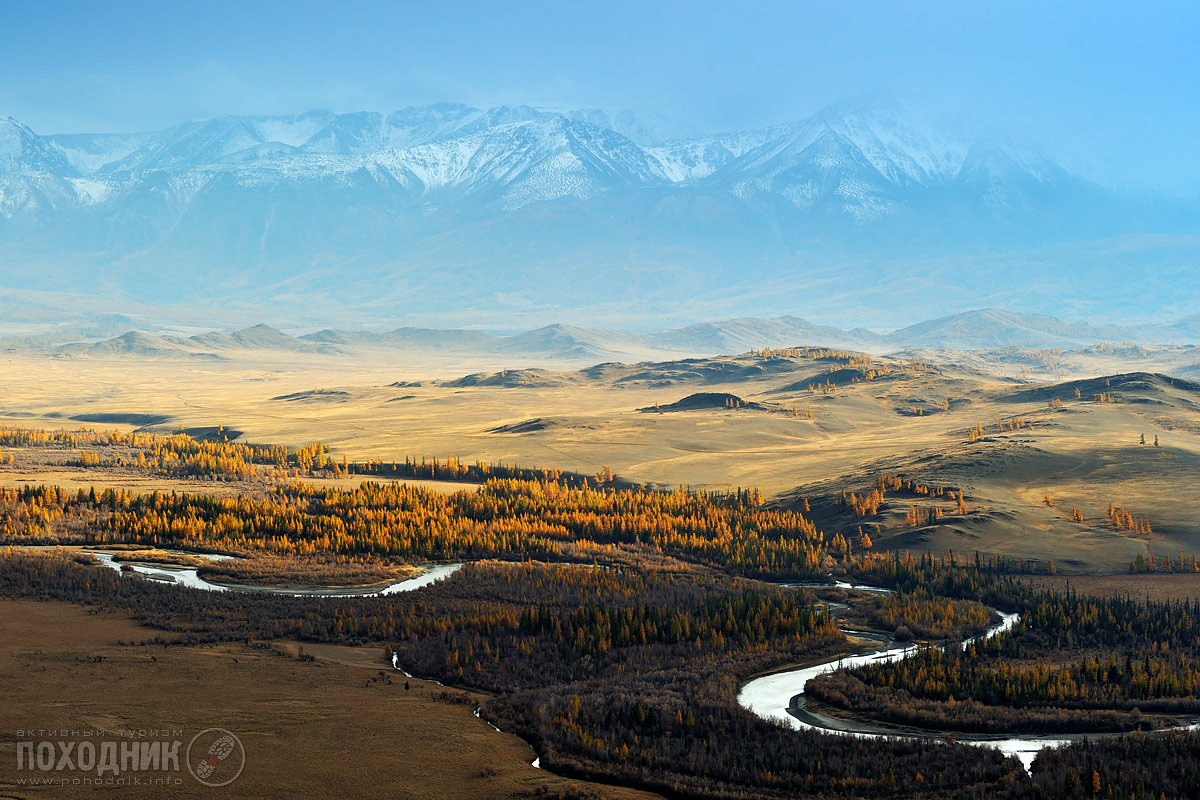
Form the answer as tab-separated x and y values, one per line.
897	142
22	150
646	129
518	206
847	150
878	141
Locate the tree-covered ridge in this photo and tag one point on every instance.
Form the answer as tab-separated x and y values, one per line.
1148	766
176	454
214	455
506	518
923	615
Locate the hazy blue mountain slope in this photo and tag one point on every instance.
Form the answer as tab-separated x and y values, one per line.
863	208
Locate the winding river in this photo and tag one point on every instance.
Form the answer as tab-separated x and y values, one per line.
780	696
777	697
187	576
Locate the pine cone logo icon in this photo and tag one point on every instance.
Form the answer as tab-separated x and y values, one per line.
216	757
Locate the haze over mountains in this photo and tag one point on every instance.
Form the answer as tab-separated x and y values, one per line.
988	329
451	215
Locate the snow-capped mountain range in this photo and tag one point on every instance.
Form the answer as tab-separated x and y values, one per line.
525	210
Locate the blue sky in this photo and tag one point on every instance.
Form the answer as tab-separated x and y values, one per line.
1117	83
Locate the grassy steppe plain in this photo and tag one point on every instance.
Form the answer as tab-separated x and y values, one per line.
800	443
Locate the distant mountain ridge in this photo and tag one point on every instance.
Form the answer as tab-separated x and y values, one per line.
985	329
525	210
